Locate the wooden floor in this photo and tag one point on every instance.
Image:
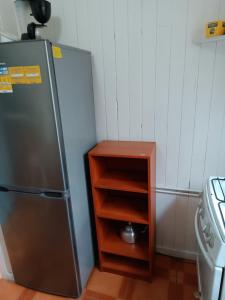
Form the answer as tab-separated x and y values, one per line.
174	280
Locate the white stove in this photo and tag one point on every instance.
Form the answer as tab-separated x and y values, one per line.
210	234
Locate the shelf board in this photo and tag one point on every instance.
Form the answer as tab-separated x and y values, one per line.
123	181
125	209
125	266
125	149
112	243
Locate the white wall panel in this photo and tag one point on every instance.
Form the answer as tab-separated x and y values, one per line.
217	117
162	98
204	100
82	24
135	68
202	113
109	65
178	50
152	82
95	32
175	225
9	20
149	44
122	68
190	83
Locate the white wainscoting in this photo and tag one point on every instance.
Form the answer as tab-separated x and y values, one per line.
175	224
152	82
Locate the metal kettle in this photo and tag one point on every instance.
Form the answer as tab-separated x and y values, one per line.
128	233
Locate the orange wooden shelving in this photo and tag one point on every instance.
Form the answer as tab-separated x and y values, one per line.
122	181
123	187
124	208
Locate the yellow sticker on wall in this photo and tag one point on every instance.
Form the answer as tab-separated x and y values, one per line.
17	75
32	74
6	88
57	52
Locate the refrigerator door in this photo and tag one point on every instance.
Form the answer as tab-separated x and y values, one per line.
76	101
38	238
31	143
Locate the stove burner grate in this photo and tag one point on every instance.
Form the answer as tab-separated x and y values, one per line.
219	192
219	188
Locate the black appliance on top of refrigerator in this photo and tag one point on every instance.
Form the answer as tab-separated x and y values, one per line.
47	126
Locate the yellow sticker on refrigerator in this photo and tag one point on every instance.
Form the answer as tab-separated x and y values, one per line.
5	84
33	74
25	75
17	75
6	88
5	79
57	52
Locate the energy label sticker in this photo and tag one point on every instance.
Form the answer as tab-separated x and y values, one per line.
6	88
32	74
17	75
25	75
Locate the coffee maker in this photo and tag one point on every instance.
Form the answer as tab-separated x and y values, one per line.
41	11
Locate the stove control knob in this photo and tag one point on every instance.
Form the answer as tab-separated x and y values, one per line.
200	203
210	241
206	230
202	212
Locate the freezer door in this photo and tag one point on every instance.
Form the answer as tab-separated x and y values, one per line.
31	142
39	242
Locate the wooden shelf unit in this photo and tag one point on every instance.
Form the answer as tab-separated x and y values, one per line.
123	187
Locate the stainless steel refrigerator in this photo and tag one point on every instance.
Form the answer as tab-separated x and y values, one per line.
47	126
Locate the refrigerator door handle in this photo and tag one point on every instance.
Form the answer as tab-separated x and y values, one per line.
53	194
4	189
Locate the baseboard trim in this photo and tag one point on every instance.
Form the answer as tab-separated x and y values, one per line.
190	255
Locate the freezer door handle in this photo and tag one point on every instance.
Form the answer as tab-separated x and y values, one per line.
4	189
53	194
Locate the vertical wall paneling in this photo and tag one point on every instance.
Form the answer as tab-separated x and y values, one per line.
190	84
56	25
159	217
221	162
9	20
149	42
203	107
95	31
222	9
122	67
69	10
135	68
175	225
178	50
109	65
204	100
63	19
162	97
82	24
217	117
167	222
